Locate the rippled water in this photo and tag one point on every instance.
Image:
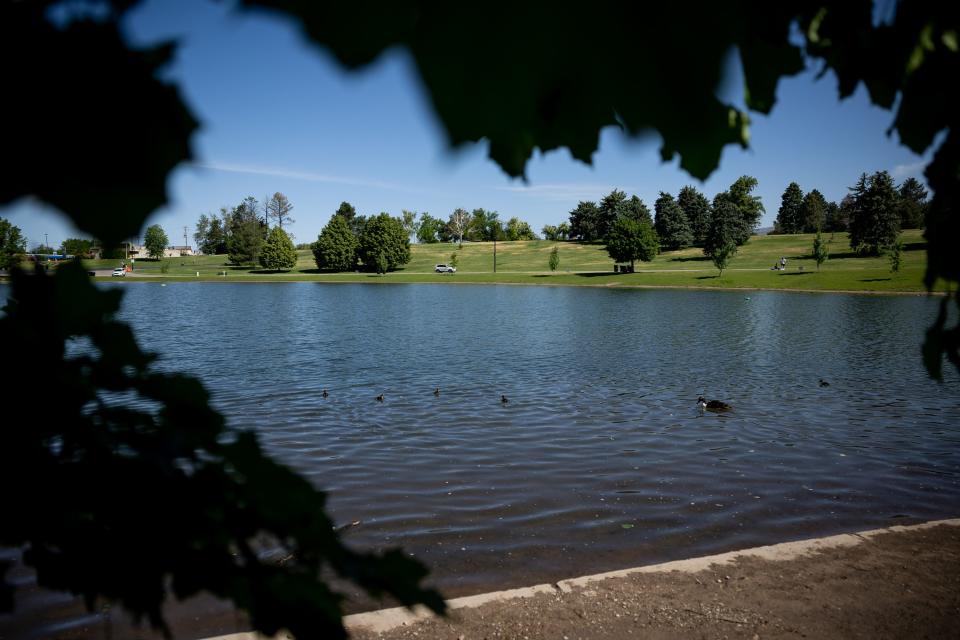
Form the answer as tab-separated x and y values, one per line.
600	459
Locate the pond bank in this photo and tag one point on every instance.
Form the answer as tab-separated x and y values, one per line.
903	581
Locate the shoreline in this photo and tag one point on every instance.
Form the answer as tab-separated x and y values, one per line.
899	581
372	280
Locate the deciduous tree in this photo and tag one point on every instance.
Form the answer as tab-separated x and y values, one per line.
76	247
518	229
554	261
155	241
13	246
459	224
820	250
630	240
427	229
383	236
726	225
278	209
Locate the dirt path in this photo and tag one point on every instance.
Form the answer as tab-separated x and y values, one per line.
903	583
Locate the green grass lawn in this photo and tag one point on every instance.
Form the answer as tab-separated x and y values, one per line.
587	264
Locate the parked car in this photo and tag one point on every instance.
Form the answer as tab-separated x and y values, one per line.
445	268
119	271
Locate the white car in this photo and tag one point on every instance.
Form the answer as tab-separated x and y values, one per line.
445	268
119	271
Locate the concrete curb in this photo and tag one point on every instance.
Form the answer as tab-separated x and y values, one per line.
387	619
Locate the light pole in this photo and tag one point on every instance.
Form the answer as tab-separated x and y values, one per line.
46	244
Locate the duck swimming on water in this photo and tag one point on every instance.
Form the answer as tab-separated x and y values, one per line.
380	398
324	394
436	391
712	405
503	399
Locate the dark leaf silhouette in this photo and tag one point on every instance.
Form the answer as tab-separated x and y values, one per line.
136	481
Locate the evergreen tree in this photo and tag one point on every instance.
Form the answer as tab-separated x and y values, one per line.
833	218
749	207
672	225
635	209
820	251
630	240
844	214
13	246
790	215
584	222
814	212
155	241
278	252
697	209
246	233
875	221
383	235
612	206
336	246
913	204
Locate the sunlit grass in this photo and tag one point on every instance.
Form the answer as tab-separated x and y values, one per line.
588	264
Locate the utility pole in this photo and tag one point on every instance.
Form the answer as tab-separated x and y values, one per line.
46	243
184	235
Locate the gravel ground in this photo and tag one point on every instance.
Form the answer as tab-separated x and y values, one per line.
895	585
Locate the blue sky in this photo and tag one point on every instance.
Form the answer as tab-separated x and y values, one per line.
279	114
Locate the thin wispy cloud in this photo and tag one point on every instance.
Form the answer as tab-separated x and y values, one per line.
563	191
308	176
913	169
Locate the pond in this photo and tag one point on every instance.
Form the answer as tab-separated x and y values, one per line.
601	458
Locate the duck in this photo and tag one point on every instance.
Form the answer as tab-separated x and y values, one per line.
503	399
823	383
712	405
380	398
436	391
324	394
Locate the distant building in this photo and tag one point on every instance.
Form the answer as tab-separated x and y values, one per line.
139	252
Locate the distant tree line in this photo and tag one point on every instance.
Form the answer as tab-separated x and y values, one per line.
630	233
874	200
476	226
245	236
873	212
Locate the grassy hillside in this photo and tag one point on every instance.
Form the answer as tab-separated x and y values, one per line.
581	264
